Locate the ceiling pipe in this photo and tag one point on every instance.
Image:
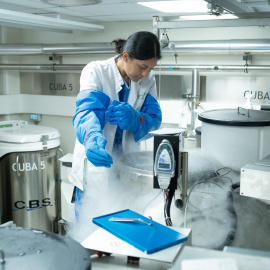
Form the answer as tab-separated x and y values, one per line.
76	48
228	46
74	67
216	68
34	67
37	49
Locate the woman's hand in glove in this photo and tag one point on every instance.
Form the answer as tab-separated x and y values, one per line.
95	150
123	115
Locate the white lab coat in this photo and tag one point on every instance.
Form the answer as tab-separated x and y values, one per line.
105	76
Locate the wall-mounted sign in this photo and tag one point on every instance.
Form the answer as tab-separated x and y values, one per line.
57	84
61	87
234	90
259	95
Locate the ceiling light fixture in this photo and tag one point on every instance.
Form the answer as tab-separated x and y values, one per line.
36	22
184	6
71	3
207	17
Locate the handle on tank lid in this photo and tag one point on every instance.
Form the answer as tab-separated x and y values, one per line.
62	153
238	110
44	139
17	166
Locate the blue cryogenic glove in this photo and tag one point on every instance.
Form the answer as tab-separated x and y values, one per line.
88	122
95	150
123	115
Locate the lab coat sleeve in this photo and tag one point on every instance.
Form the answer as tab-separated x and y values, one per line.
151	118
91	106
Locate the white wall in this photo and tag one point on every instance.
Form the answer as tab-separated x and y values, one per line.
10	80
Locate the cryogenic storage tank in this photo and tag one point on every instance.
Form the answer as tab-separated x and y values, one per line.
235	137
29	249
29	181
136	171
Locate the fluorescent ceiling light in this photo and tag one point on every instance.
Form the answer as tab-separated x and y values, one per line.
184	6
25	20
208	17
71	3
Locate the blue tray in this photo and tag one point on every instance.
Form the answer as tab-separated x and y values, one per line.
147	238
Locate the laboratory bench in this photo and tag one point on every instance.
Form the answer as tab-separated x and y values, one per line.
120	262
192	258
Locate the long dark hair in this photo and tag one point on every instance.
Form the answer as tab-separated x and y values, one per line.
141	45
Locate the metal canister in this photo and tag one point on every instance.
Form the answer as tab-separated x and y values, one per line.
29	176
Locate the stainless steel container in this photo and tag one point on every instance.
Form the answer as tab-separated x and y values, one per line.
32	197
29	179
136	171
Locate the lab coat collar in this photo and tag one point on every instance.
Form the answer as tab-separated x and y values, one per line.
134	86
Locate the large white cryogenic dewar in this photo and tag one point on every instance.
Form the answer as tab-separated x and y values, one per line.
235	137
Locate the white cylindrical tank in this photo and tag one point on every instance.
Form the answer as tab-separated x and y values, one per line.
235	137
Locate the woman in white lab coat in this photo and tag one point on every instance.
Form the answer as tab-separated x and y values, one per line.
115	109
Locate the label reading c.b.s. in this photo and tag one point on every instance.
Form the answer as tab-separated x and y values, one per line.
32	204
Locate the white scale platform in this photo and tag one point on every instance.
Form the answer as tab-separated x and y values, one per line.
103	241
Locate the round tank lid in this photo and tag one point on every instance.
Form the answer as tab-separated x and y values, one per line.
22	132
236	117
29	249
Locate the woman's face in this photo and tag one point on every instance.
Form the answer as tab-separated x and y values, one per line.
137	69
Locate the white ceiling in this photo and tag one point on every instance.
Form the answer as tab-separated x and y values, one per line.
108	10
114	10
